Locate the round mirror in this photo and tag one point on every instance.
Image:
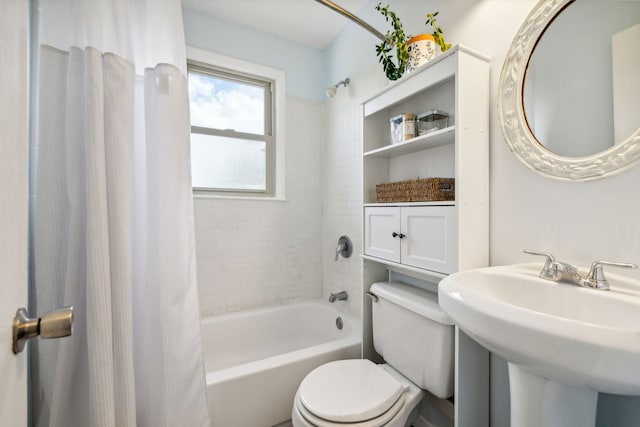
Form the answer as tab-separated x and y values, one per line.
569	93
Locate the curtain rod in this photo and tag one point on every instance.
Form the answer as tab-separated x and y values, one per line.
352	17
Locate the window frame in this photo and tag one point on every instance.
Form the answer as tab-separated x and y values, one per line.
206	62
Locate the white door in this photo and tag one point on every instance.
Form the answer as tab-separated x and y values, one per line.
14	37
429	240
382	232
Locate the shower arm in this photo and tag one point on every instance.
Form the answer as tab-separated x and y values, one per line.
354	18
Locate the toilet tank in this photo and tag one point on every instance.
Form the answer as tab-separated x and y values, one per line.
414	335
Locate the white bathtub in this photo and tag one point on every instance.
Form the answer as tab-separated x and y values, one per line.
256	359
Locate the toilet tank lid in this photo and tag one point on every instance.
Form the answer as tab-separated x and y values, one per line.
412	298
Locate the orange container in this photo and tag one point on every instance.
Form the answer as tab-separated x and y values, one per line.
421	48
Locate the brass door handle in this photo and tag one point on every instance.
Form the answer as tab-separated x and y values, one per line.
54	324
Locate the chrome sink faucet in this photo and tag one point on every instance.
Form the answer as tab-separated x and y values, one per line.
559	271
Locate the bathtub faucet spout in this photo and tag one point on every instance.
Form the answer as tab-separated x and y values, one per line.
339	296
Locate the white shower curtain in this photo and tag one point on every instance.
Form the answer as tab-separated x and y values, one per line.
112	216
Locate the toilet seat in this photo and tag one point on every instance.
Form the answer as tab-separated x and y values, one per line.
354	392
380	421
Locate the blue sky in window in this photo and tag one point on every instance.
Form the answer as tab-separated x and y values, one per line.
226	104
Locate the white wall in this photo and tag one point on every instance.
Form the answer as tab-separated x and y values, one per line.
578	222
255	253
342	187
304	65
626	84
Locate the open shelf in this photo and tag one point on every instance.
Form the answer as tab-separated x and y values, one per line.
441	203
420	273
438	138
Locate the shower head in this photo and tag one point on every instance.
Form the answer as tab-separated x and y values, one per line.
331	90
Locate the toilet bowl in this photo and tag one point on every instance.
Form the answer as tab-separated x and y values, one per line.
355	393
416	340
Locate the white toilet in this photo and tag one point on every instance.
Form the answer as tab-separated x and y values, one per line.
415	338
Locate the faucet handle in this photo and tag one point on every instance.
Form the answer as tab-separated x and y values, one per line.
345	247
548	271
550	257
596	278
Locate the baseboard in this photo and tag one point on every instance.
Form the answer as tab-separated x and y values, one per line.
435	412
421	422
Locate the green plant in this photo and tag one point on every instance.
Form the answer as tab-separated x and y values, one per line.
437	31
397	39
394	39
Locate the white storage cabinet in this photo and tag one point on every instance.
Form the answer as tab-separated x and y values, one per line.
456	82
421	237
439	238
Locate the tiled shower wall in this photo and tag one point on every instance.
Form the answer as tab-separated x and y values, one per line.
342	187
253	253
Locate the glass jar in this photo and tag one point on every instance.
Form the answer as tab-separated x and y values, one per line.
403	127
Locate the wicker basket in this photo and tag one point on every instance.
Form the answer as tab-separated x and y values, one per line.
416	190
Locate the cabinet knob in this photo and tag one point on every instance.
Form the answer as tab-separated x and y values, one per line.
402	236
394	234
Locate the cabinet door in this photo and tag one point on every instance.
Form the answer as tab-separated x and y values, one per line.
430	240
380	225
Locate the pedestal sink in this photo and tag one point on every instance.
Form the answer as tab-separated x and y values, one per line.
564	343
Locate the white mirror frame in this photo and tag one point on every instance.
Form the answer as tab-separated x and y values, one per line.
517	134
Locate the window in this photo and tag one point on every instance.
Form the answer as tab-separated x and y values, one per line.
236	146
